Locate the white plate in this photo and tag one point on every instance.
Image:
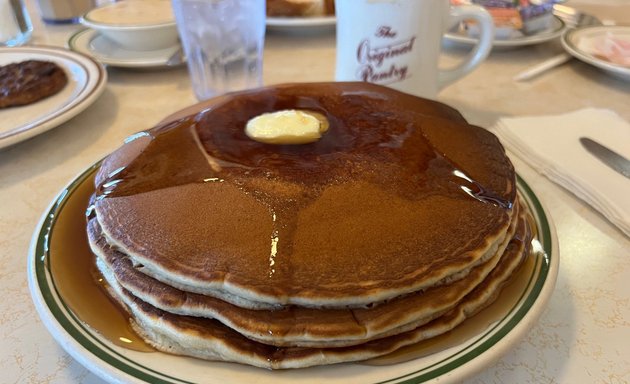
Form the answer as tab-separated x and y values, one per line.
90	42
555	31
580	44
86	81
468	354
297	24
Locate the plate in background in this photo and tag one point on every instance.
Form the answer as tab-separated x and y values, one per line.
86	82
581	43
90	42
555	31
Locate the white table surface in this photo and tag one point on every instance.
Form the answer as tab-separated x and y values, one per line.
583	335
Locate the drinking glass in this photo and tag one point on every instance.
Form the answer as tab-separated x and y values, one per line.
15	23
223	42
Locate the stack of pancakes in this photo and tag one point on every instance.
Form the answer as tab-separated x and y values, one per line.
398	224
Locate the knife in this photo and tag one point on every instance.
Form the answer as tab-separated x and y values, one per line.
607	156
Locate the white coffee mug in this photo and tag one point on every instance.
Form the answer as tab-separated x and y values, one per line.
397	42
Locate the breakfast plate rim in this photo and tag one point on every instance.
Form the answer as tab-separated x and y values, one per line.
569	43
84	92
118	365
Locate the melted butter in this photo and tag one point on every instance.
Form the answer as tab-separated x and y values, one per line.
77	280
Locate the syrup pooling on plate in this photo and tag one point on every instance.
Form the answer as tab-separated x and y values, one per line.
72	267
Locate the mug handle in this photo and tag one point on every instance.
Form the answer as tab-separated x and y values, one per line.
482	48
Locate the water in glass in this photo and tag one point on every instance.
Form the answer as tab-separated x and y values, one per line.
223	41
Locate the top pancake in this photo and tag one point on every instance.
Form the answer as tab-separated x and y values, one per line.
398	195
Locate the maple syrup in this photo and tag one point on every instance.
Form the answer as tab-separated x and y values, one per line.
73	268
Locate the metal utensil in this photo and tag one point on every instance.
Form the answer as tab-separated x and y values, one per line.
572	18
607	156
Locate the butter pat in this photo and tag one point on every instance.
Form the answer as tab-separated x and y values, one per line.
288	126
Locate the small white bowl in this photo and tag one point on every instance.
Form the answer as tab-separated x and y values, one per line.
138	25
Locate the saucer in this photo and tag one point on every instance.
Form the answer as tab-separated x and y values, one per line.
90	42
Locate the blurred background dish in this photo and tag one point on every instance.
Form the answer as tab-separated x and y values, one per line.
605	47
91	43
512	19
555	30
86	81
300	15
139	25
300	8
516	23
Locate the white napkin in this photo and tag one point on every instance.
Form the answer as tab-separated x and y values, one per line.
551	145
